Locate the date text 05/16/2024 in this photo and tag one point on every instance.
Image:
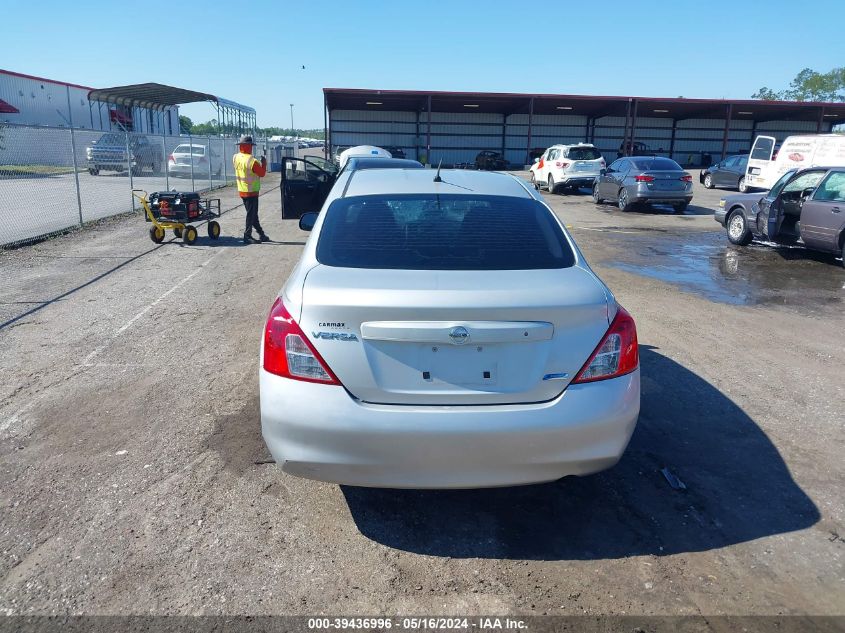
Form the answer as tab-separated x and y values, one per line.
417	623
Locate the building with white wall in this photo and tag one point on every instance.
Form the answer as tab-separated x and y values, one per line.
30	100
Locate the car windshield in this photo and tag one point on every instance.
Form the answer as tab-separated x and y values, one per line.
112	139
583	153
442	232
659	164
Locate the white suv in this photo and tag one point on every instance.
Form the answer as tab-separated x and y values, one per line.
567	166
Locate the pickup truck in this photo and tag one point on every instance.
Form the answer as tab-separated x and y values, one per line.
108	153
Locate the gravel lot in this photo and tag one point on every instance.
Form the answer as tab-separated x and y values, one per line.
132	474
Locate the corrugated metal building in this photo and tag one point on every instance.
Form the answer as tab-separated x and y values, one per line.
455	126
29	100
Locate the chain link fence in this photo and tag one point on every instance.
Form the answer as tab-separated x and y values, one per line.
53	179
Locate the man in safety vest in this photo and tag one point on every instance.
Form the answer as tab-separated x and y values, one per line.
248	173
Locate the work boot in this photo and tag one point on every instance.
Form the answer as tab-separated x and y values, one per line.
248	239
264	237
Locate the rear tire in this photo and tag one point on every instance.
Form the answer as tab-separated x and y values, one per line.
534	182
177	232
708	181
743	188
93	171
737	228
157	234
596	197
681	207
213	230
550	184
190	235
622	200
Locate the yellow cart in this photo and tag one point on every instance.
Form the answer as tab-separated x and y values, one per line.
171	214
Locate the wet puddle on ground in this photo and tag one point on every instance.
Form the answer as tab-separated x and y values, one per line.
708	265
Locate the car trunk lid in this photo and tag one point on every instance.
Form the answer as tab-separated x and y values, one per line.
663	180
454	337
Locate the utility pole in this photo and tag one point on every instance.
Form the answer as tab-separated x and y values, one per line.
291	121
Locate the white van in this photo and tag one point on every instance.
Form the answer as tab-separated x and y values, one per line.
797	152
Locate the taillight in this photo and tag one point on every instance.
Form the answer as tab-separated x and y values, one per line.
603	163
171	159
561	164
643	178
288	353
617	354
686	178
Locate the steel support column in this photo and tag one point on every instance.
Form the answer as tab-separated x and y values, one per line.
504	132
672	138
530	121
325	128
428	135
820	121
728	114
633	127
625	133
417	142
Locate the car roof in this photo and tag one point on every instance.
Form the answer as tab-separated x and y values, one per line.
572	145
453	181
365	162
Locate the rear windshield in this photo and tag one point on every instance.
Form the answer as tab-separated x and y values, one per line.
197	150
445	232
647	164
583	153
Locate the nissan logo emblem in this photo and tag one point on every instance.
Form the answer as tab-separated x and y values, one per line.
459	335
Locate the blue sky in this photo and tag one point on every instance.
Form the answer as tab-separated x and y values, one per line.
253	52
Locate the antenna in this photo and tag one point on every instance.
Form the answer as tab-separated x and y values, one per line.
437	177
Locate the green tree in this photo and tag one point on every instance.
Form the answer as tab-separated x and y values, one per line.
185	124
809	85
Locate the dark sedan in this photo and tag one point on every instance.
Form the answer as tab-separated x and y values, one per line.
396	152
804	206
490	160
728	173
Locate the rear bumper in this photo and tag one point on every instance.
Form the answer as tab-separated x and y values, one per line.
582	180
660	197
181	170
321	432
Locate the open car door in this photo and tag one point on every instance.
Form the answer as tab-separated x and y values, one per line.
306	183
760	162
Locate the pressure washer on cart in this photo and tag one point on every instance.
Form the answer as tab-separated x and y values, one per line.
178	211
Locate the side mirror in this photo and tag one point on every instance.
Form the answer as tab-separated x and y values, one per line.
308	220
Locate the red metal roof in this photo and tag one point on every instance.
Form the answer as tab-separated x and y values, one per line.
7	108
51	81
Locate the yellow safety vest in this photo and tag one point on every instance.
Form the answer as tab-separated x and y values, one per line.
248	181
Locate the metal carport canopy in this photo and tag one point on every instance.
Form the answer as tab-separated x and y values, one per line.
593	106
155	96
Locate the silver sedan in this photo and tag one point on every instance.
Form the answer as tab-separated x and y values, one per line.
642	180
444	333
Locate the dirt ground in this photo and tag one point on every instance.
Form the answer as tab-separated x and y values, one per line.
133	476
